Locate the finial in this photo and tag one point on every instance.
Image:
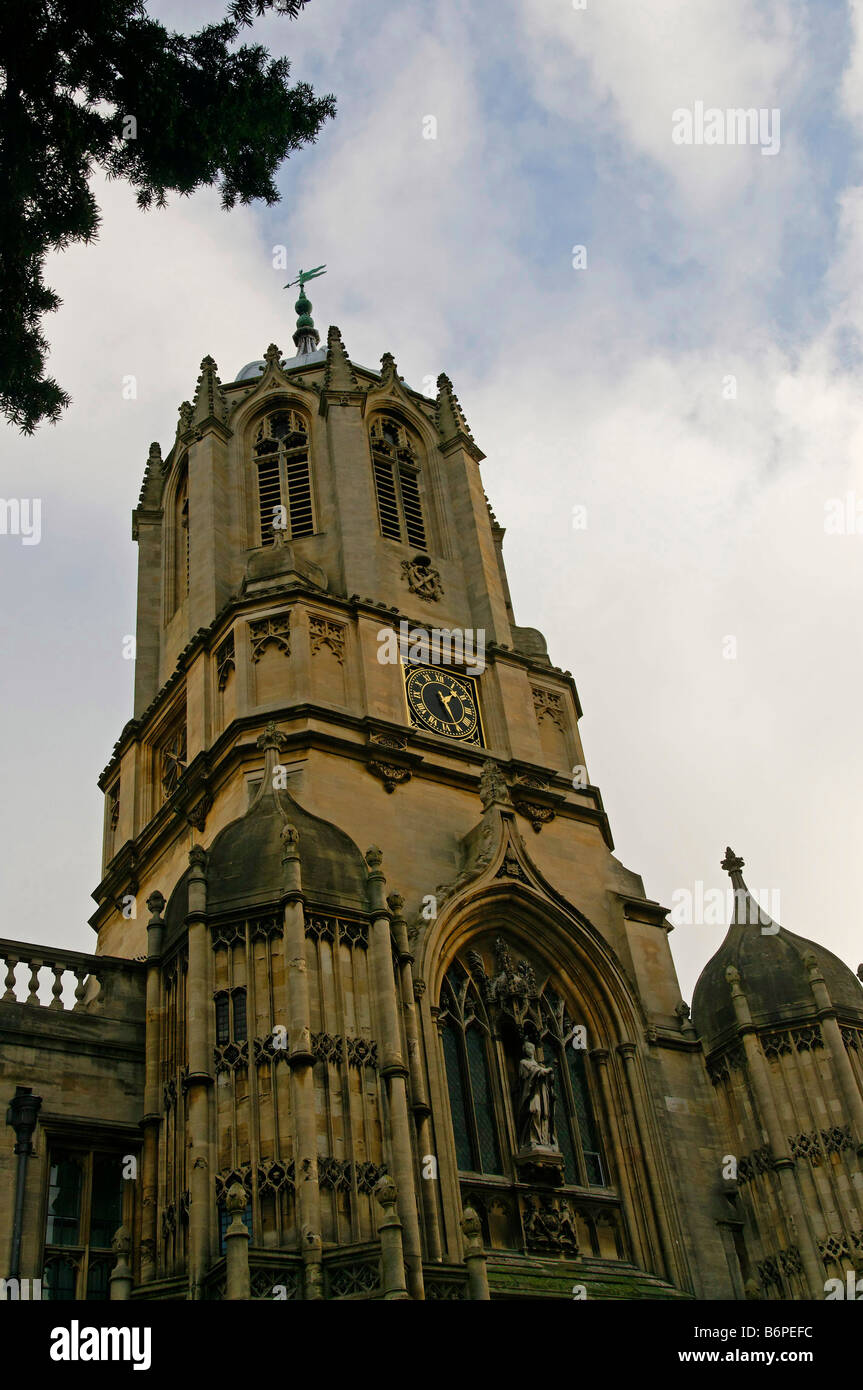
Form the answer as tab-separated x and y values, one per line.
389	370
156	904
236	1200
732	863
306	338
210	403
386	1192
450	418
471	1225
122	1241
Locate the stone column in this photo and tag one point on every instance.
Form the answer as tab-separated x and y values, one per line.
419	1095
121	1277
238	1285
394	1071
301	1061
783	1162
392	1251
151	1119
474	1256
200	1003
836	1047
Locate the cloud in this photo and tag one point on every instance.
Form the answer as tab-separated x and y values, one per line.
605	387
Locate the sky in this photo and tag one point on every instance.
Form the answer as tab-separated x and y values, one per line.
672	415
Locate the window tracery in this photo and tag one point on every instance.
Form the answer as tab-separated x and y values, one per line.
507	1036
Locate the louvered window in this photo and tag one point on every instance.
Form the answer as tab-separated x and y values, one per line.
284	480
396	474
388	507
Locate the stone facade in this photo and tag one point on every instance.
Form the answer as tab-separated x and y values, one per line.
374	1011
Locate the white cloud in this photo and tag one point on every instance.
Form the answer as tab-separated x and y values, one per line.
601	387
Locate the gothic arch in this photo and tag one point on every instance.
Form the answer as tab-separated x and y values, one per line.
250	422
418	424
635	1217
587	964
382	402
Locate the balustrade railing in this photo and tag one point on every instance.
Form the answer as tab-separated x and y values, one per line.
67	981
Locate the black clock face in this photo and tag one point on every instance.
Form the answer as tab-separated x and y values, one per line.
443	703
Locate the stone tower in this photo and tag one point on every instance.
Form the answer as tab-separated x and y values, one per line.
781	1021
396	936
395	1022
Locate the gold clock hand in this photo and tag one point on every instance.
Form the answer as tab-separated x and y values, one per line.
445	700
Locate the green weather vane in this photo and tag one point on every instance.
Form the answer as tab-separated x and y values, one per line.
305	275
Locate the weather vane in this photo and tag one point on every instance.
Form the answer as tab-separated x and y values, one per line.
305	275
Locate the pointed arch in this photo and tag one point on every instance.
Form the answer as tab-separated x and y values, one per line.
280	455
609	1148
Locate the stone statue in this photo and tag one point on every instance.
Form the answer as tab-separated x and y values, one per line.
535	1102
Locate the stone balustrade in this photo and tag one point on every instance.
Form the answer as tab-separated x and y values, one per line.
95	983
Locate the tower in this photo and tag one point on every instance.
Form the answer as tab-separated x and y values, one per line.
781	1020
375	1012
396	939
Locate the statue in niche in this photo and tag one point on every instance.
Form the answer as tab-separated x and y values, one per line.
535	1102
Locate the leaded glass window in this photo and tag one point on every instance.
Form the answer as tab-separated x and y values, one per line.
231	1023
85	1210
467	1052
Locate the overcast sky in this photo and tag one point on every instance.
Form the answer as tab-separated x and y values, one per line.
604	387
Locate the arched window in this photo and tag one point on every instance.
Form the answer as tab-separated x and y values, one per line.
490	1005
395	463
467	1050
231	1025
281	452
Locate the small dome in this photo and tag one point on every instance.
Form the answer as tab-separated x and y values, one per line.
772	972
244	863
300	359
251	369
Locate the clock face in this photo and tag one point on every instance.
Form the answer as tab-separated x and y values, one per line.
442	702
